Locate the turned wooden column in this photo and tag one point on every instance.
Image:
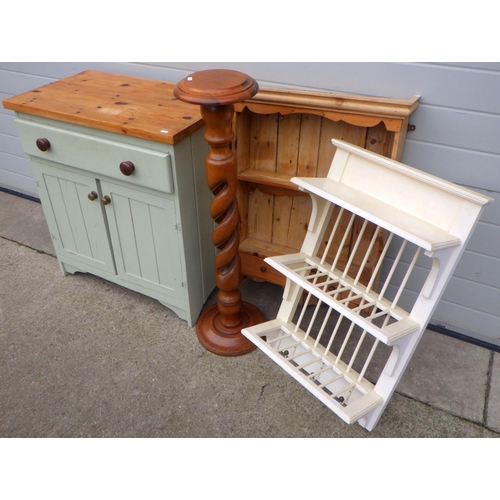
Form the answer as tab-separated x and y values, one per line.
219	326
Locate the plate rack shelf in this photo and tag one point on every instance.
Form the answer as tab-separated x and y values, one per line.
350	339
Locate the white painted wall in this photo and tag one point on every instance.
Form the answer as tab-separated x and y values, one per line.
456	138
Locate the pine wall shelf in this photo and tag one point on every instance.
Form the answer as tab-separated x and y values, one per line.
281	133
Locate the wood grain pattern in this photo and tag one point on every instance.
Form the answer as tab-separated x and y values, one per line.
137	107
283	133
219	326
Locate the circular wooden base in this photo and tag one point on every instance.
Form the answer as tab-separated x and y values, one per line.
219	340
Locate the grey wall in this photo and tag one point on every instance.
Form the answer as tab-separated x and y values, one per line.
456	138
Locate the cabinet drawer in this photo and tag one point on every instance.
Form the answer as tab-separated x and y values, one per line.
255	267
102	157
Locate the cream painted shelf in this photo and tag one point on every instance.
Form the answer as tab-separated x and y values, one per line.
332	341
414	229
348	297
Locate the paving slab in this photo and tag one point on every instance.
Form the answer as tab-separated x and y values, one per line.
493	411
448	374
23	220
82	357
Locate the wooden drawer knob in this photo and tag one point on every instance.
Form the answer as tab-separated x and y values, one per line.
127	167
92	196
42	144
106	200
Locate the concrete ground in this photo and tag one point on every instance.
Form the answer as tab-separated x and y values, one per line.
81	357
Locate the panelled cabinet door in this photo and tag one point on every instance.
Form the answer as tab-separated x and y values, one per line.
75	216
145	240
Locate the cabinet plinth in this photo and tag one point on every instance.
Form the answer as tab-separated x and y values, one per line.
216	91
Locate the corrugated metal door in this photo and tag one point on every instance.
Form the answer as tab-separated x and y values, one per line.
456	138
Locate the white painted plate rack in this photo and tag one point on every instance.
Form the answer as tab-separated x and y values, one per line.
349	343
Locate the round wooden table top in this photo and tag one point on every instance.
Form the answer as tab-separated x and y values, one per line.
216	87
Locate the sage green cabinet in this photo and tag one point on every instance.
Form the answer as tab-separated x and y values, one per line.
144	234
149	231
77	226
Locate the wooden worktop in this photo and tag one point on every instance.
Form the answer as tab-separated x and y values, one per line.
137	107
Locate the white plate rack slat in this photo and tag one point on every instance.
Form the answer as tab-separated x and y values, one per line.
346	339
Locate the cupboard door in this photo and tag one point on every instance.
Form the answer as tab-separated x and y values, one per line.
145	239
76	222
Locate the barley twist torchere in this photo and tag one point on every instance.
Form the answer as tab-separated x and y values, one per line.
219	326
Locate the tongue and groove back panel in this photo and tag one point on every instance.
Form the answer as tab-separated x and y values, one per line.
280	134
